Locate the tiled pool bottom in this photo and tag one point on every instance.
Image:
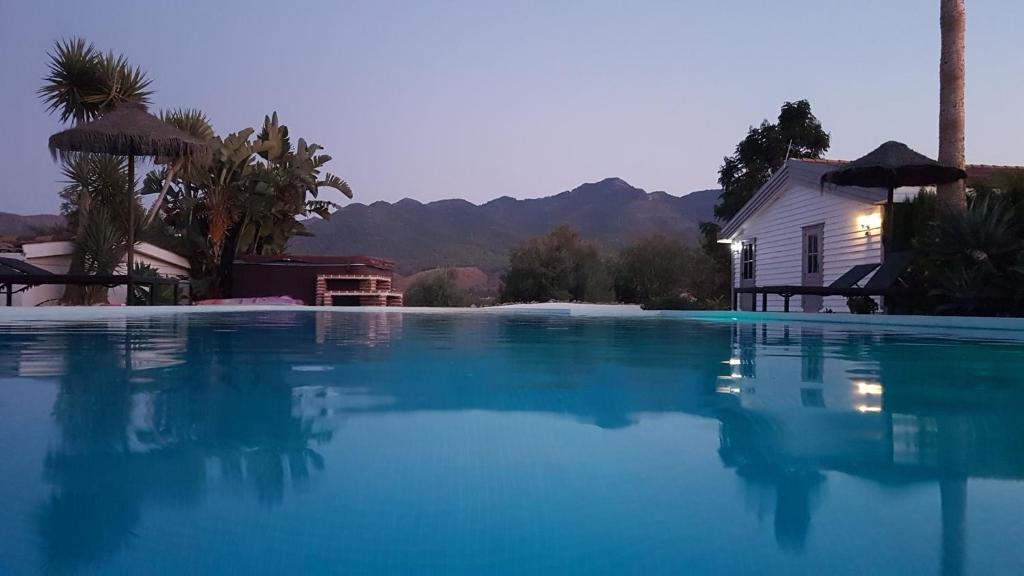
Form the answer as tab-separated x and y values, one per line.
285	442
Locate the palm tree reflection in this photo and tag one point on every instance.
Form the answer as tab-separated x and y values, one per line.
134	438
882	408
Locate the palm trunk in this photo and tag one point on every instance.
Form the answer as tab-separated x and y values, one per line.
155	208
78	295
952	198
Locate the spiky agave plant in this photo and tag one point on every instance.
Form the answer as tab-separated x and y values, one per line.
981	255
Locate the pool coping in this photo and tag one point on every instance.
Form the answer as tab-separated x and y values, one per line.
72	314
895	320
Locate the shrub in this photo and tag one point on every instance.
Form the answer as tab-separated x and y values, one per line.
140	293
436	290
975	260
652	268
657	271
862	305
557	266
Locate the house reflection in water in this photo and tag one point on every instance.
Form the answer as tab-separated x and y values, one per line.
800	403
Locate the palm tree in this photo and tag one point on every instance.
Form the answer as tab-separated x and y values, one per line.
82	83
952	198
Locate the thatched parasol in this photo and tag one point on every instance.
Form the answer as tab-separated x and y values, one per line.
893	165
128	129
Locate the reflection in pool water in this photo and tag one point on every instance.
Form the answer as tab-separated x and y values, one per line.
386	443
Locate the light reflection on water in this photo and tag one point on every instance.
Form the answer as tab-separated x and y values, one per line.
389	443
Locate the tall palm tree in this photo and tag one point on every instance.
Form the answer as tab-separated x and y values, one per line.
81	84
952	197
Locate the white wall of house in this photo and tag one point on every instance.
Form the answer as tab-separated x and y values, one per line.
56	257
777	228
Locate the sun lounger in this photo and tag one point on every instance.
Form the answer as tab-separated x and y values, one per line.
883	283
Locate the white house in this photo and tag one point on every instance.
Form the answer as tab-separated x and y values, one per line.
794	232
55	256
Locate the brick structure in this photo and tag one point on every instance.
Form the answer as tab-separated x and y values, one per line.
316	280
355	290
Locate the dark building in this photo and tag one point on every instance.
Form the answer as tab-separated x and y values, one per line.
316	280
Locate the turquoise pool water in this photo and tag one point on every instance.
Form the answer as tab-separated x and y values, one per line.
372	443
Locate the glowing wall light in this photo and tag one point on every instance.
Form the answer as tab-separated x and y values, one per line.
869	222
868	388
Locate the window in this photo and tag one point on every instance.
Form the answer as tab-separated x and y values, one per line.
747	261
813	254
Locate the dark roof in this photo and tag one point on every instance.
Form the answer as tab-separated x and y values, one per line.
976	173
301	259
893	165
129	129
14	266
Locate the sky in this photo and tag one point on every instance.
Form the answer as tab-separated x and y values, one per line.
476	99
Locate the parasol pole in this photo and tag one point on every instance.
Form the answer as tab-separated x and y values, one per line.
131	227
890	216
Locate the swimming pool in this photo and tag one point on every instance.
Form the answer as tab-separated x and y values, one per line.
287	442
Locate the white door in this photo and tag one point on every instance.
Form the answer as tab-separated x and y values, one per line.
812	260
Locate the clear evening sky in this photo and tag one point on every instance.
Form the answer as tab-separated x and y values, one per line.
479	99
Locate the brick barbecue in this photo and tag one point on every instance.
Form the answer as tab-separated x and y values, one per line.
317	280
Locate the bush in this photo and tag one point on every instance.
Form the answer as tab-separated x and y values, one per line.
977	259
436	290
652	268
557	266
862	305
658	270
140	293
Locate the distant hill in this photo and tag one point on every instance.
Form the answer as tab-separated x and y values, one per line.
468	279
420	236
18	225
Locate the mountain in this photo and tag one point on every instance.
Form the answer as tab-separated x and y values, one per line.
18	225
420	236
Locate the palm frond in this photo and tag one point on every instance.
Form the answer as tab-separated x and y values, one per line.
332	181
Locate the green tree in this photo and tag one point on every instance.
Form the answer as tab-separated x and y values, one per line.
284	185
81	84
661	268
796	134
437	289
247	200
557	266
653	267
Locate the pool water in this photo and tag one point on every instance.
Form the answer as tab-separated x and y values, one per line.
386	443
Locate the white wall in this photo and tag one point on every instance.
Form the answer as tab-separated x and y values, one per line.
778	229
56	257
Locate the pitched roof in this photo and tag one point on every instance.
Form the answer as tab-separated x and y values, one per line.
805	172
808	172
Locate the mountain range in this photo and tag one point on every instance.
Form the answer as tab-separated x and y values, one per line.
420	236
18	225
457	233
